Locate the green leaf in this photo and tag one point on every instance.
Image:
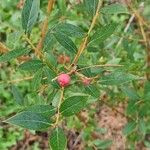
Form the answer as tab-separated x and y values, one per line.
129	128
102	144
31	65
103	33
142	126
17	95
91	6
115	9
30	120
48	41
117	78
62	6
30	14
70	30
92	90
73	105
51	59
65	41
147	88
147	144
50	74
56	98
13	54
131	93
46	110
58	140
36	80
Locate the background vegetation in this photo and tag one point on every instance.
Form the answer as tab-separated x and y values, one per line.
117	57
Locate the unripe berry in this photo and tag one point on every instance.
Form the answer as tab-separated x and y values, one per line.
63	80
63	59
86	81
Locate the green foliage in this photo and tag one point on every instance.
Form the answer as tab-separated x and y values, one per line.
93	91
37	80
117	78
114	9
70	30
102	144
129	128
93	54
103	33
17	95
30	14
13	54
30	120
58	140
31	65
73	105
65	41
45	110
91	6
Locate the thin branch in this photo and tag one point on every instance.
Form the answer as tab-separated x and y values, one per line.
58	108
18	80
45	26
126	29
85	40
32	45
95	66
3	48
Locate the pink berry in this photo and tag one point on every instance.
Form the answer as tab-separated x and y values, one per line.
63	80
86	81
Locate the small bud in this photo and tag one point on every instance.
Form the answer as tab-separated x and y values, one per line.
63	59
86	81
63	80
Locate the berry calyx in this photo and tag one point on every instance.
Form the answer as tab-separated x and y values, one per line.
63	80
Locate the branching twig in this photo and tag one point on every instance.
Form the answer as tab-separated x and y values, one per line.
85	40
32	45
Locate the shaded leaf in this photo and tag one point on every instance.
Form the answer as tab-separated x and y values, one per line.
92	90
48	41
56	98
103	33
51	59
31	65
13	54
103	144
30	14
131	93
58	140
147	88
50	74
115	9
36	80
17	95
117	78
129	128
62	6
91	6
73	105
